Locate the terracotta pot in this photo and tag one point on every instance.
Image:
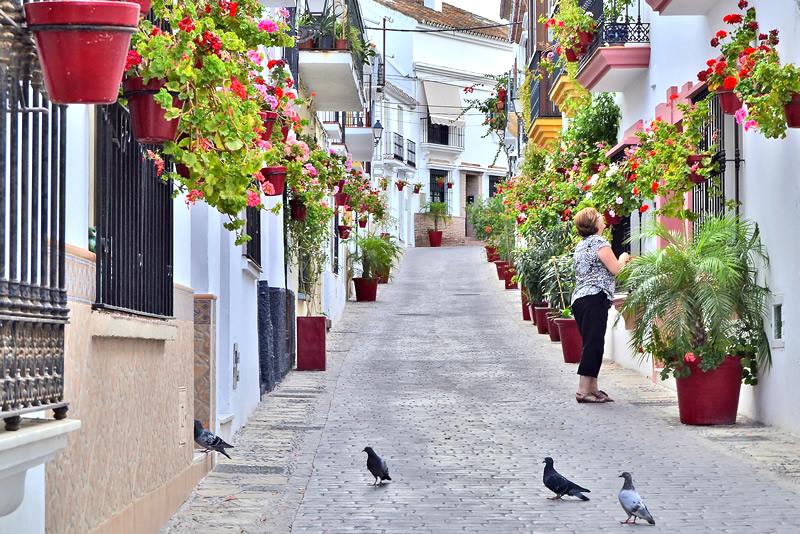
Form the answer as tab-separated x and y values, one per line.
400	186
693	176
712	397
344	231
311	343
144	6
500	265
298	210
362	223
611	220
147	116
341	199
792	110
552	328
507	278
541	318
82	66
435	238
526	310
306	45
268	118
571	342
729	102
366	289
277	177
342	44
571	55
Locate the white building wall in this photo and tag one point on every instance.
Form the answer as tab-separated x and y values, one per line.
30	515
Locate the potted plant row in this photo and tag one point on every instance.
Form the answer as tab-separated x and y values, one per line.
373	256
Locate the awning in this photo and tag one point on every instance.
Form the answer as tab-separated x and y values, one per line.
444	103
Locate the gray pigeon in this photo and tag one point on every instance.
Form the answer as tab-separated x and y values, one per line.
377	466
632	502
560	485
209	441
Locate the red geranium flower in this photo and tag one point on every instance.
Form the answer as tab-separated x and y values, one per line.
722	34
644	208
733	18
742	4
654	187
133	59
238	89
186	24
730	83
673	97
703	75
715	42
753	25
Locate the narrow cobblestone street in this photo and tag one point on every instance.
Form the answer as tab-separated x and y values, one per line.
464	400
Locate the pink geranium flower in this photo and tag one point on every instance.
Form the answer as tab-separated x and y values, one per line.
269	26
253	198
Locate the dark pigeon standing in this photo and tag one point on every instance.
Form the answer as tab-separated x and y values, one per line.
560	485
209	441
377	466
632	502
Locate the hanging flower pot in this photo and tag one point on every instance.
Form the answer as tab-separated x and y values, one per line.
526	312
541	313
611	220
298	209
344	231
400	185
435	238
449	185
417	189
508	276
729	102
691	161
552	328
277	177
268	118
585	38
500	265
341	199
147	116
571	342
792	110
710	397
571	55
366	289
285	132
311	343
82	46
362	222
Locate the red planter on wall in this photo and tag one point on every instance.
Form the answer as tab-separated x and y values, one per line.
366	289
298	209
712	397
541	318
693	176
268	118
526	311
82	46
500	265
277	177
435	238
399	185
147	116
792	110
341	199
552	328
571	342
311	343
729	102
344	231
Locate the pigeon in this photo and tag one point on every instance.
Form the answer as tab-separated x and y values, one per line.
209	441
632	502
377	466
560	485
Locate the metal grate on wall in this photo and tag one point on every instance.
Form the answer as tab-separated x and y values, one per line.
252	249
133	212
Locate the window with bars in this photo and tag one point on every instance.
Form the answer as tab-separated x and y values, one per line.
438	186
252	249
133	212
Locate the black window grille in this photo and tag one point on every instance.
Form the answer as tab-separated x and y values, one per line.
397	146
292	55
252	249
335	241
621	232
438	186
411	151
33	299
133	207
438	134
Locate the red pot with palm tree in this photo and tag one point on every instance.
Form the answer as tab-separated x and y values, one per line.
366	289
710	397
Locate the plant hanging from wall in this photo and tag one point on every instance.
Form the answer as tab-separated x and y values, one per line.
494	109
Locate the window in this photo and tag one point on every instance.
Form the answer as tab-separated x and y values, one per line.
620	236
133	211
252	249
438	186
438	134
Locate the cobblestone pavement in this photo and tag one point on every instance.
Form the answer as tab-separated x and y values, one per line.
464	400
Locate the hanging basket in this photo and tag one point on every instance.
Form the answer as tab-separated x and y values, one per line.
362	223
792	110
268	118
729	102
344	231
611	220
82	46
277	177
298	210
449	185
147	116
400	185
417	189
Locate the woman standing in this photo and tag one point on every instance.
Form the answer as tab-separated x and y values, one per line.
595	269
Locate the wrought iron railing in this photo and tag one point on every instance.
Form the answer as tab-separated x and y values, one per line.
252	249
356	119
397	146
411	153
628	28
541	105
440	134
33	298
292	55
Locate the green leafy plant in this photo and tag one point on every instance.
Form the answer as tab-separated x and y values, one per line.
542	244
438	212
375	255
559	280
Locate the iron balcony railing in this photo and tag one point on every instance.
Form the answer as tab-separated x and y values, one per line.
335	117
411	153
439	134
541	105
628	28
397	146
357	119
292	55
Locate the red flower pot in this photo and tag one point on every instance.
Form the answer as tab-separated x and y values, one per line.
552	328
435	238
500	265
693	176
144	6
147	116
533	306
400	186
507	278
268	118
383	278
362	223
526	311
417	189
285	132
277	177
531	314
611	220
541	318
306	45
712	397
729	102
344	231
341	199
489	250
585	38
366	289
82	46
311	343
384	235
298	210
571	342
572	56
342	44
449	185
792	110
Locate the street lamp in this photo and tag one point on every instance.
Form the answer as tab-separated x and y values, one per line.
377	132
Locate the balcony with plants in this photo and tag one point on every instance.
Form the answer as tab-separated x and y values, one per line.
333	51
545	119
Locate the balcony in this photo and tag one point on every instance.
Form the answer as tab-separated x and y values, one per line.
681	7
358	135
411	153
440	142
333	124
620	52
546	119
335	74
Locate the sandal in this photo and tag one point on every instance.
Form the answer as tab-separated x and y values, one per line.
603	395
590	398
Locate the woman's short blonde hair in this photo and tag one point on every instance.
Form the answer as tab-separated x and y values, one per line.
586	221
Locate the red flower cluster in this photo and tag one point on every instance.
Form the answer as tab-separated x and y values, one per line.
209	42
186	24
730	83
733	18
644	208
238	89
272	63
229	7
133	59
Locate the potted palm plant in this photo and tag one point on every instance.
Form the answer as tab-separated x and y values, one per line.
701	310
559	280
383	275
374	255
439	212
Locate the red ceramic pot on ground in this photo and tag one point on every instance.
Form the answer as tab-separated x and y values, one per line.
695	159
82	46
277	177
147	116
500	265
298	210
435	238
711	397
792	110
366	289
268	118
526	310
571	342
729	102
490	251
383	278
541	313
552	328
344	231
311	343
508	276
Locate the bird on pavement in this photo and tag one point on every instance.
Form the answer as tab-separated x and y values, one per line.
377	466
632	502
560	485
209	441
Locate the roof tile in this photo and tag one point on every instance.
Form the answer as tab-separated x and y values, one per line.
449	17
